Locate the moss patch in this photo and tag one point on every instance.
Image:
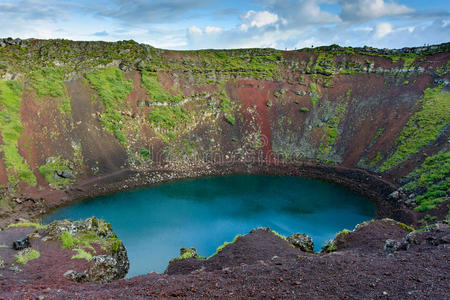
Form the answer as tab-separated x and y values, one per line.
156	92
11	128
220	248
113	90
28	224
422	128
26	255
168	117
82	254
55	166
432	178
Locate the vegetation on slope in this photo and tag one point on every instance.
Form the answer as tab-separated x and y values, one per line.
50	82
168	117
156	92
433	178
11	128
57	172
113	90
422	128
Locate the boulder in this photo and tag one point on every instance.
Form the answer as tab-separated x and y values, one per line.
105	268
301	241
21	244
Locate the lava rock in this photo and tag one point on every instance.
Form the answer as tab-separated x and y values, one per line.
106	268
76	276
302	241
390	246
21	244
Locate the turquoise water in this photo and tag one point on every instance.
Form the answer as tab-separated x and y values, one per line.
155	222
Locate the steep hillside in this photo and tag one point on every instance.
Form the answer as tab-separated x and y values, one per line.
82	118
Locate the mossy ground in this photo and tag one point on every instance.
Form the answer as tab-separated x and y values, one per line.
26	255
11	129
113	91
422	128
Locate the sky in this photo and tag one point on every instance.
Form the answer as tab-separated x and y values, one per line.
224	24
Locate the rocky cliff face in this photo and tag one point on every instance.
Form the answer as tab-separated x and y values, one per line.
78	117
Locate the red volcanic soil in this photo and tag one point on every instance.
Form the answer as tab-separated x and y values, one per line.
261	265
254	94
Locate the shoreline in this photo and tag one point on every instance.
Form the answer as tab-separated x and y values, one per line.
371	186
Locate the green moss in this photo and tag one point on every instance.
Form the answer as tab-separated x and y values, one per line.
422	128
48	82
304	109
168	117
82	254
11	128
156	92
220	248
225	105
26	255
28	224
378	157
53	166
145	153
279	235
188	253
329	247
230	118
66	240
113	90
315	90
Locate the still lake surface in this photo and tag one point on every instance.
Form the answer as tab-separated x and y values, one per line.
155	222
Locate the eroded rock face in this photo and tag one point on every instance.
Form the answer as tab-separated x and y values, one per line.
436	235
302	241
102	268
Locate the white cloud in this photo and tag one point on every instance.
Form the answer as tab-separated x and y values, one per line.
382	29
213	30
195	30
363	10
259	19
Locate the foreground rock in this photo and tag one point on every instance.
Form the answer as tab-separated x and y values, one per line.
264	265
302	241
107	267
63	252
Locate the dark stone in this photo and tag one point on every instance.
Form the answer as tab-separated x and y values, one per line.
21	244
302	241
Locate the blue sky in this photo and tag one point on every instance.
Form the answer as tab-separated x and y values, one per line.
199	24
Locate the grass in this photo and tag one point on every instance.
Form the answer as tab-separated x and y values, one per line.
145	153
82	254
27	224
49	170
84	240
230	118
432	178
26	255
66	240
168	117
304	110
316	91
220	248
243	62
11	129
188	253
422	128
156	92
50	82
113	90
279	235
